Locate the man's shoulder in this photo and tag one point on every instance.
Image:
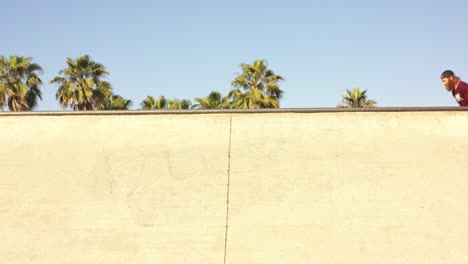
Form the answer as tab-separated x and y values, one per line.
462	88
463	85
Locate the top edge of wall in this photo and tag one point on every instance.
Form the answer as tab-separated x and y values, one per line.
246	111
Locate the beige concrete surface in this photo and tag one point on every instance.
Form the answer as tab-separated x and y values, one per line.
349	188
113	189
344	187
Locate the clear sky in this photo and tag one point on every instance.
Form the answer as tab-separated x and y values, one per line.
185	49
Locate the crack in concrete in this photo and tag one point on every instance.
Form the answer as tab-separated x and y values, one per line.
228	188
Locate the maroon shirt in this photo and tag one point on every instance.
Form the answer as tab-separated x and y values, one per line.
461	94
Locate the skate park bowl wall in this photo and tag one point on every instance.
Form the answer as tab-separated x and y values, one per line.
386	185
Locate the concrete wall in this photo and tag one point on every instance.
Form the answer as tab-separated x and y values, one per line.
333	187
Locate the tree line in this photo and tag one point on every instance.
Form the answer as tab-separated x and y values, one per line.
82	86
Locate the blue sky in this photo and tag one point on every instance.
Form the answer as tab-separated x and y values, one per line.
185	49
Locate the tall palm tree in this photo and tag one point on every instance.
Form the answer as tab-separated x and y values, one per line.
116	102
150	103
260	85
19	83
213	101
81	84
356	99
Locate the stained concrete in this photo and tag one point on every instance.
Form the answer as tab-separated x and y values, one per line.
292	187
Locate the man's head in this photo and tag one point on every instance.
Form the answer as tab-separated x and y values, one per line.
449	79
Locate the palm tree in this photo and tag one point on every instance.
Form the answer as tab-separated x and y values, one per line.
254	99
356	99
176	104
260	85
116	102
164	104
152	104
19	83
213	101
81	84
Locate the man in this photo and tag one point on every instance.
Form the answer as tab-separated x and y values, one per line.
458	88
